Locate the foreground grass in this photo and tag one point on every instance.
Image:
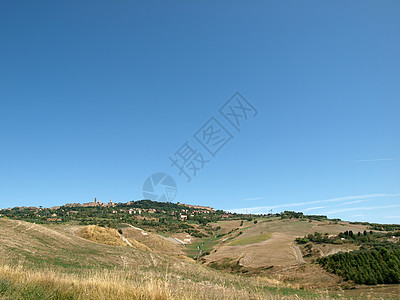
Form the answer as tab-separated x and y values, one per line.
20	283
17	282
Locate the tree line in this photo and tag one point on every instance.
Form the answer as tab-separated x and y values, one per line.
372	266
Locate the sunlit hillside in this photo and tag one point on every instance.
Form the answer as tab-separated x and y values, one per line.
45	263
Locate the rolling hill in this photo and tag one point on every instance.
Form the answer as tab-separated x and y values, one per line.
208	257
39	262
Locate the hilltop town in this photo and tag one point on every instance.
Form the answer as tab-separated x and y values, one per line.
96	212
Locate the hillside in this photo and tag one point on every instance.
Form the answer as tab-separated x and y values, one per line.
232	255
278	254
43	263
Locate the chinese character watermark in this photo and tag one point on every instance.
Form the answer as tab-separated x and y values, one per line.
237	110
193	155
188	161
212	136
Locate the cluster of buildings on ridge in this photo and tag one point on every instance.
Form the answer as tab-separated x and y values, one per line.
182	214
91	204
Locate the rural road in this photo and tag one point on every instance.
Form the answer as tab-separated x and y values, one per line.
125	240
170	239
174	240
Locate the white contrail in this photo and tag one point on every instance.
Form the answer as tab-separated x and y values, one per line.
264	209
373	159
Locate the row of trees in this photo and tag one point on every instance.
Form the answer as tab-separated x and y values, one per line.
385	227
371	267
299	215
348	236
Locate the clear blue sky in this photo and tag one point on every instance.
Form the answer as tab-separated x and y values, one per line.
95	96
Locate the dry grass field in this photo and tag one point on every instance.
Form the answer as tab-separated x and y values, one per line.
102	235
39	262
251	261
154	241
279	249
278	255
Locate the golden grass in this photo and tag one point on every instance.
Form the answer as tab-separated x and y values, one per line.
139	245
155	242
97	285
102	235
118	284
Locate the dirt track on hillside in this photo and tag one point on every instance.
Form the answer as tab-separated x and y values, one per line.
280	249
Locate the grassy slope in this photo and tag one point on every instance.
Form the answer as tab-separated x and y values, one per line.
271	242
102	235
278	256
155	242
43	263
251	239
